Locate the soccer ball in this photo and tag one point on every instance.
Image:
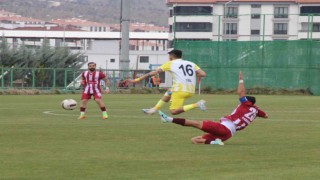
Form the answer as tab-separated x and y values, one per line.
69	104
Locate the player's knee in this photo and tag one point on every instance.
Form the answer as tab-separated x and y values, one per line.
174	112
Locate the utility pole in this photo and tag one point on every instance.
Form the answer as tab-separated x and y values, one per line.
124	47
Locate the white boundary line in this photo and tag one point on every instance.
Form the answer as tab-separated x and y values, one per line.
155	116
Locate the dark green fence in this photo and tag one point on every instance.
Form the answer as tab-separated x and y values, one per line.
49	78
290	65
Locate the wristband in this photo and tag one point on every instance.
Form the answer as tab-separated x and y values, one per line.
241	81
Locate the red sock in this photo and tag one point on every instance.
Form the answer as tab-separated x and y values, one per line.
179	121
82	109
103	109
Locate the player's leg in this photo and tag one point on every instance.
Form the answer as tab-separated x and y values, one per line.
84	100
198	140
177	101
217	132
181	121
102	106
208	139
165	98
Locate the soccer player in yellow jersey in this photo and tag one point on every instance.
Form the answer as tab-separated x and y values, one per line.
184	75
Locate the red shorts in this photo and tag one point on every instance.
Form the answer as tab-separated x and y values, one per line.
215	131
88	96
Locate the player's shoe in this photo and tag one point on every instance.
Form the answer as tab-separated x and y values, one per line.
149	111
164	117
104	116
202	105
217	142
81	117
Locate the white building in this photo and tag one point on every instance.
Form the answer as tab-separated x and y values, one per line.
244	20
100	47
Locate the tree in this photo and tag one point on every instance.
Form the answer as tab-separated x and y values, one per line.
43	59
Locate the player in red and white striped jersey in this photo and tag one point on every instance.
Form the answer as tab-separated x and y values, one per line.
217	132
91	83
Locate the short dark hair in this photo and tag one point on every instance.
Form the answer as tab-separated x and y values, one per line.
177	53
92	63
251	99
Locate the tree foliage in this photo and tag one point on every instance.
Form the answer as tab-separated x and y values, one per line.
38	63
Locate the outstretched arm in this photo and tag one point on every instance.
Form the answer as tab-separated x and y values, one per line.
152	73
241	89
200	73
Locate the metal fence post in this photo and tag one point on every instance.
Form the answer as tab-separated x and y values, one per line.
74	79
11	78
114	79
54	78
264	28
308	33
219	27
33	79
2	77
65	78
311	29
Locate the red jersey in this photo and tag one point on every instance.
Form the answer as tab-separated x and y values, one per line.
244	114
92	82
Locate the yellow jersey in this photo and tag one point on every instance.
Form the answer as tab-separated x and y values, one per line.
183	73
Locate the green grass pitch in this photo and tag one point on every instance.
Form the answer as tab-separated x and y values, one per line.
131	145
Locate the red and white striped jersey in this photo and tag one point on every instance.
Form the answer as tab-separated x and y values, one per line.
244	114
91	81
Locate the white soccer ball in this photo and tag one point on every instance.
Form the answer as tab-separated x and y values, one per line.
69	104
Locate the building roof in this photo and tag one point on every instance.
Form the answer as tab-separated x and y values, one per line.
55	28
308	1
18	18
4	13
82	35
217	1
141	27
77	22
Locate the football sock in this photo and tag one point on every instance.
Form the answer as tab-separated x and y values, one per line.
179	121
103	109
159	104
189	107
82	111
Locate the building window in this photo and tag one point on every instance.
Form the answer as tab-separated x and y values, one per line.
112	60
193	10
255	16
231	28
193	27
231	12
84	58
255	5
31	39
281	12
255	32
171	12
280	28
316	27
310	10
144	59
